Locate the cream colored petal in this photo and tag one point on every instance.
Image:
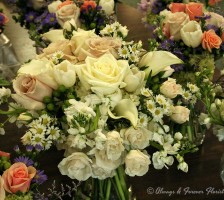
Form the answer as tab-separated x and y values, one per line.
125	109
157	61
54	35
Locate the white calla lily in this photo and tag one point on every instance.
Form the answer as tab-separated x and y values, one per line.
157	61
125	109
54	35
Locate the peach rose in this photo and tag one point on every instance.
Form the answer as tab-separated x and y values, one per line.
4	154
18	178
177	7
67	11
213	2
170	89
62	45
101	45
210	40
2	190
194	9
87	4
30	92
174	23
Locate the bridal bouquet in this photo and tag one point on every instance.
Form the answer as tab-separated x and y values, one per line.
105	101
40	16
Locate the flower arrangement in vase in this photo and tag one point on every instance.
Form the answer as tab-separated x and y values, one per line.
104	101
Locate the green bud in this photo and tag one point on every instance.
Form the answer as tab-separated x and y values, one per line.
50	106
92	25
7	165
56	93
47	99
61	88
71	96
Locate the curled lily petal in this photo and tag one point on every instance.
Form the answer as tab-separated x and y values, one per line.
157	61
125	109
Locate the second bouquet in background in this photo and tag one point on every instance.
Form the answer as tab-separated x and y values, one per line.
40	16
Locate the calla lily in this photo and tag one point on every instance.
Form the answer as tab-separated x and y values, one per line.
157	61
125	109
54	35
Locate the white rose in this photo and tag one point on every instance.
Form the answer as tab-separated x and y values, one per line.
79	38
103	161
114	145
180	114
2	190
30	92
42	70
134	79
66	12
183	166
102	75
137	138
101	173
52	7
165	13
65	74
70	25
136	163
191	34
107	6
37	4
76	166
170	89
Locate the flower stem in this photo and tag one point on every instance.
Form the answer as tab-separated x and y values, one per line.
119	187
108	189
121	174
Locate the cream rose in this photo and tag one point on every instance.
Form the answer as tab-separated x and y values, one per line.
191	34
65	74
2	190
102	173
180	114
52	7
134	79
102	75
105	163
215	19
30	92
136	163
98	46
170	89
65	46
114	145
76	166
107	6
67	12
42	70
174	23
80	46
137	138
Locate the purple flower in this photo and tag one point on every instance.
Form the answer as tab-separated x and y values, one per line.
27	161
30	16
16	149
29	148
50	19
39	148
40	177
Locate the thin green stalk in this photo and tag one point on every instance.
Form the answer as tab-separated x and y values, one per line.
108	189
189	132
115	187
119	187
101	189
121	174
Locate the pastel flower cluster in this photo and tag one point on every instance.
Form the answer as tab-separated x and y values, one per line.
40	16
